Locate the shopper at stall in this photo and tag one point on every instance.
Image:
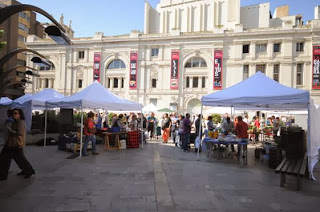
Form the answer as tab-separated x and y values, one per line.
186	132
166	128
133	125
257	127
210	125
13	147
89	131
241	128
276	126
228	126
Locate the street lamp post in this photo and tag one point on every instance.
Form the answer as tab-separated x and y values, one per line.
57	33
5	58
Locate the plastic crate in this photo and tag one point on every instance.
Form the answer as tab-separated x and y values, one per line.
133	139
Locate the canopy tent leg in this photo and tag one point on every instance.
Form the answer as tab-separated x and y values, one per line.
200	130
309	144
142	132
81	132
45	128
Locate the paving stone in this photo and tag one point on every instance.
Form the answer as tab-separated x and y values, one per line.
156	178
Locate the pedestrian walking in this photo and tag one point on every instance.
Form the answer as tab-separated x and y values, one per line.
13	147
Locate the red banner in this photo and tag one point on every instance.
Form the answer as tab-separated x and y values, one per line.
316	68
174	76
133	70
217	73
96	66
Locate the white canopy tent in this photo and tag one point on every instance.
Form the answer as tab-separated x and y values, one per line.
37	101
149	108
259	92
95	96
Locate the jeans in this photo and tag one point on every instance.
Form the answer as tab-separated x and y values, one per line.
88	138
185	141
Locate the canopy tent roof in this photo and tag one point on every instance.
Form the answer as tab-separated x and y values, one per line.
259	92
165	110
95	96
5	101
37	100
149	108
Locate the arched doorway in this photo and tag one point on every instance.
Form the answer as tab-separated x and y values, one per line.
194	107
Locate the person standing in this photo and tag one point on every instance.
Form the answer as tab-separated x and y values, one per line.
166	128
197	125
151	125
174	127
210	125
133	125
13	147
241	130
89	131
186	132
228	126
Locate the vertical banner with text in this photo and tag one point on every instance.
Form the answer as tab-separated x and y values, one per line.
96	66
174	76
133	70
316	68
217	73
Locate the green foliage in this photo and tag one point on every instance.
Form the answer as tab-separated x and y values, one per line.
2	44
77	118
110	116
216	118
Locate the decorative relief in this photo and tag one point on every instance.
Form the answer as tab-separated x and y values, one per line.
154	70
187	51
174	99
207	51
133	98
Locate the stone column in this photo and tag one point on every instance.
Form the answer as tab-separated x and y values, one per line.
253	50
191	82
43	83
199	82
270	49
111	83
49	83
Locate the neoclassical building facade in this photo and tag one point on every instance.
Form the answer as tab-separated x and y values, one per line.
189	48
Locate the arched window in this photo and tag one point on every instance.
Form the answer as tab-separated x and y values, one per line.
116	64
52	68
196	62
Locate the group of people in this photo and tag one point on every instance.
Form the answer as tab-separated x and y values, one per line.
15	140
179	127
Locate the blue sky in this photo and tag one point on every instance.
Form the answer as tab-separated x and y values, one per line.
115	17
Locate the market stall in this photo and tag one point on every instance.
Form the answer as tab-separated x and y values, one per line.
95	96
30	102
259	92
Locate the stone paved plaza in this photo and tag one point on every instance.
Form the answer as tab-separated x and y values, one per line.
159	177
